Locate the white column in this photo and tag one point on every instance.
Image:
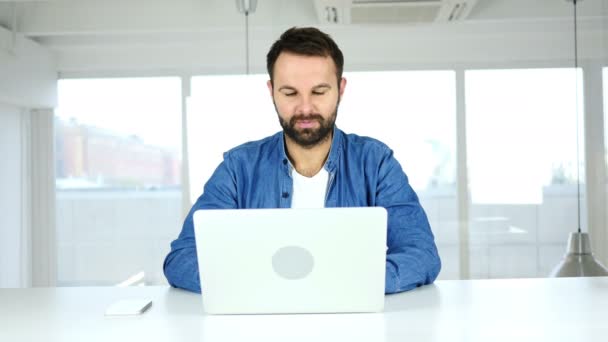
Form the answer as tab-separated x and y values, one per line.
25	233
11	196
595	162
42	170
462	182
185	181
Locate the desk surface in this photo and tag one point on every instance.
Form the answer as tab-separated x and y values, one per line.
567	309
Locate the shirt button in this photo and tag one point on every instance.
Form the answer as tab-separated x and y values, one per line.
284	161
285	194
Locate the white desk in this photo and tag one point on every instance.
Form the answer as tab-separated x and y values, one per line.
478	310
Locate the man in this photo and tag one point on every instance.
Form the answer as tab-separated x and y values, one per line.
314	164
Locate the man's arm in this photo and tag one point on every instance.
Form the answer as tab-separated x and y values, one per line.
181	264
412	259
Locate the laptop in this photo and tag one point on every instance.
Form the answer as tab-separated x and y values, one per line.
269	261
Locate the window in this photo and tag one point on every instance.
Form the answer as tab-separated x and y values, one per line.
414	113
118	162
224	112
521	149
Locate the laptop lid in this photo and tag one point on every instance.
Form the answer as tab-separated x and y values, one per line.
262	261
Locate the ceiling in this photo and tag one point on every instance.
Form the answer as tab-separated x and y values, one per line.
43	18
131	34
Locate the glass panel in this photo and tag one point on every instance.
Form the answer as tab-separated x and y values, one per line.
412	112
224	112
118	162
521	141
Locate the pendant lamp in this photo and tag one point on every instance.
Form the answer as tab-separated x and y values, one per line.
246	7
579	260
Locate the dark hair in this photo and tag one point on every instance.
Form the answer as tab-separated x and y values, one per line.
306	41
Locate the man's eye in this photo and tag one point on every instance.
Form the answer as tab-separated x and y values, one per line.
318	93
289	94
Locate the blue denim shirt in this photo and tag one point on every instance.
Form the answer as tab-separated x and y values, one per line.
362	173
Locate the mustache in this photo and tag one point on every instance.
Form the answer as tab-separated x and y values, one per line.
295	118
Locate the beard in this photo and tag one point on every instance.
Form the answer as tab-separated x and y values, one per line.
309	137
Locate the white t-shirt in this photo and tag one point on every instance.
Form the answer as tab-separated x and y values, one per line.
309	192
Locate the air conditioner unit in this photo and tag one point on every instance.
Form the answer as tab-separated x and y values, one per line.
392	11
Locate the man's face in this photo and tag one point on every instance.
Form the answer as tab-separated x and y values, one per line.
306	97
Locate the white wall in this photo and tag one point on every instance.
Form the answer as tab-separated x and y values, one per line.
28	77
28	80
10	195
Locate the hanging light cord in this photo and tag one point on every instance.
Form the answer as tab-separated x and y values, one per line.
247	42
578	179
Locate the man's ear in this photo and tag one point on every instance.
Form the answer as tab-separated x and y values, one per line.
269	84
342	86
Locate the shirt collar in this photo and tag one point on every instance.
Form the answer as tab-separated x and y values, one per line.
334	151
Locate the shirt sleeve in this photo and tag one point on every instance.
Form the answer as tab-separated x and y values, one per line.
181	264
412	259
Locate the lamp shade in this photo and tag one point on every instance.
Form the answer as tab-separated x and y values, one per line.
579	261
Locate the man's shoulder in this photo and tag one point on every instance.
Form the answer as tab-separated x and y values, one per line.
255	147
364	143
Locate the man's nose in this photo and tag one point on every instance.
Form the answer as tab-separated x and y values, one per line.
305	106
